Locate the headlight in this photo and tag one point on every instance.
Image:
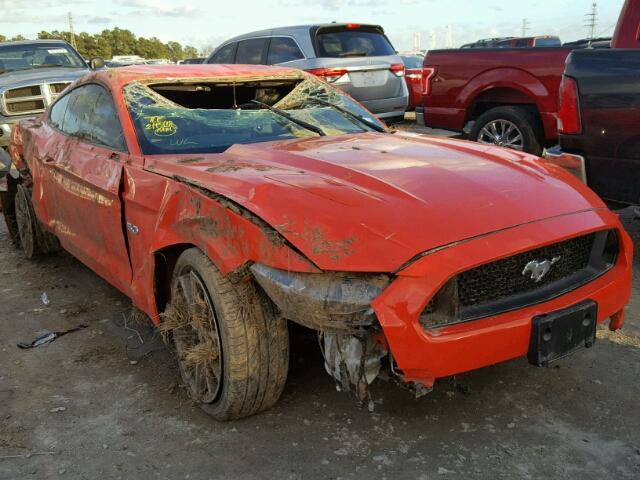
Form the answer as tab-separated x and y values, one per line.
339	302
5	163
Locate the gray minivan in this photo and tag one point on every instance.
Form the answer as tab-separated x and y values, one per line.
357	58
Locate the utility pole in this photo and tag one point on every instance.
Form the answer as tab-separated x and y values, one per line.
591	20
525	26
449	38
416	42
72	35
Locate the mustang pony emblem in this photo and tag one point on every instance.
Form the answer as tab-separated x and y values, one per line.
538	270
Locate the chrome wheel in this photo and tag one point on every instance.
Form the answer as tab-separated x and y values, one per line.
197	338
502	133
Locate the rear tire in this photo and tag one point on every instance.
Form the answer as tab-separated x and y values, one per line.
242	342
523	120
9	211
34	239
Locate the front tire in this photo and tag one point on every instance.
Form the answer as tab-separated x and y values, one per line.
232	347
510	127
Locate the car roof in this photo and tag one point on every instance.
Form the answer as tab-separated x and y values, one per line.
148	73
291	28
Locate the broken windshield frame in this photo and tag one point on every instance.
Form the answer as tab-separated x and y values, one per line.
185	116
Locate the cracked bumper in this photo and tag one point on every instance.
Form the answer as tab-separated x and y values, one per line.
424	355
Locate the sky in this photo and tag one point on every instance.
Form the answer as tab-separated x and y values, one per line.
205	24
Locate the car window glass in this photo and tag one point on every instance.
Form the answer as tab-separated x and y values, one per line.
92	117
224	55
56	116
283	49
250	51
339	43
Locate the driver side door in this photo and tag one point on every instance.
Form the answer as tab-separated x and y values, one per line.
85	172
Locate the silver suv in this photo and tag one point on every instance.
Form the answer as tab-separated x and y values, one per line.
357	58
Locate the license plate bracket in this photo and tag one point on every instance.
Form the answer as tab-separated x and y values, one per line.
558	334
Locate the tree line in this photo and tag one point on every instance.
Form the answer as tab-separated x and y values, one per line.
119	41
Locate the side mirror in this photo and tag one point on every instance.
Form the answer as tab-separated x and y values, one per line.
96	63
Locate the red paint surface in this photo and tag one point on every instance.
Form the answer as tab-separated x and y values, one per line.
358	203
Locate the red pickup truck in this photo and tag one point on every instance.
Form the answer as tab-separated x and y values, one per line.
503	96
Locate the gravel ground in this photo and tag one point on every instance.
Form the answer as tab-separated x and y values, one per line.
105	402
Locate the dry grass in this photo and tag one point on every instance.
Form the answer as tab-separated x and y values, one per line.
201	353
619	337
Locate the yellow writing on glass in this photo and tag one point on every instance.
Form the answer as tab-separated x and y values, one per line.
160	126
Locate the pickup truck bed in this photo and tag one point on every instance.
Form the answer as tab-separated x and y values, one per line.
467	83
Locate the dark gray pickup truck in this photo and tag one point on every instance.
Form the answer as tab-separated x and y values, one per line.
32	74
599	114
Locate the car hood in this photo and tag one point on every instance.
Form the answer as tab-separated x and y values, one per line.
20	78
372	202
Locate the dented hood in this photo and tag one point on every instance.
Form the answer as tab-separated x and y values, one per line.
372	202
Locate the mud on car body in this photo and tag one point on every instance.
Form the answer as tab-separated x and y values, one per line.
228	200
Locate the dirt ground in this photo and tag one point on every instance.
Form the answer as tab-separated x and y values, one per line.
106	403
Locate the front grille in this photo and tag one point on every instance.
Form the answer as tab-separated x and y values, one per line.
31	99
58	87
507	284
25	106
32	91
504	278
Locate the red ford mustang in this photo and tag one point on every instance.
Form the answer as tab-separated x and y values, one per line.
228	200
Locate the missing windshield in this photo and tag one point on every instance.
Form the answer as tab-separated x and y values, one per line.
208	116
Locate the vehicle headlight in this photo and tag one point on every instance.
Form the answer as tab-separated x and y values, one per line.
327	301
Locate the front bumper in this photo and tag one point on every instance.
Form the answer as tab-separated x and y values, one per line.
422	356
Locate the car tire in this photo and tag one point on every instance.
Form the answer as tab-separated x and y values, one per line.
34	239
7	199
228	330
519	118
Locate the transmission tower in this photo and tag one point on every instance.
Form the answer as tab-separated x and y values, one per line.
591	20
525	26
71	34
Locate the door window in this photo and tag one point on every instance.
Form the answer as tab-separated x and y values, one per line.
251	51
91	116
283	49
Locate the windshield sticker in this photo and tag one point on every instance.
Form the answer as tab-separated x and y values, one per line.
56	50
159	126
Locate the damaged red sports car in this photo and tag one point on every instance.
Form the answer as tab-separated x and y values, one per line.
229	200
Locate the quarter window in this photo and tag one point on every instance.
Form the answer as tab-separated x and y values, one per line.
251	51
283	49
91	116
56	116
225	54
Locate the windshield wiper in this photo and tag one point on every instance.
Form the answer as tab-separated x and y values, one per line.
291	118
360	118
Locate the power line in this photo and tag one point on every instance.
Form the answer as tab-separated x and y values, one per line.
526	24
591	20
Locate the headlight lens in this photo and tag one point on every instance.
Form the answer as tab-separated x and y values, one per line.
323	301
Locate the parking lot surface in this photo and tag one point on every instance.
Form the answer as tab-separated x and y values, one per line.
106	402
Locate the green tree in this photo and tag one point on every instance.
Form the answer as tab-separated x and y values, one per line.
190	52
